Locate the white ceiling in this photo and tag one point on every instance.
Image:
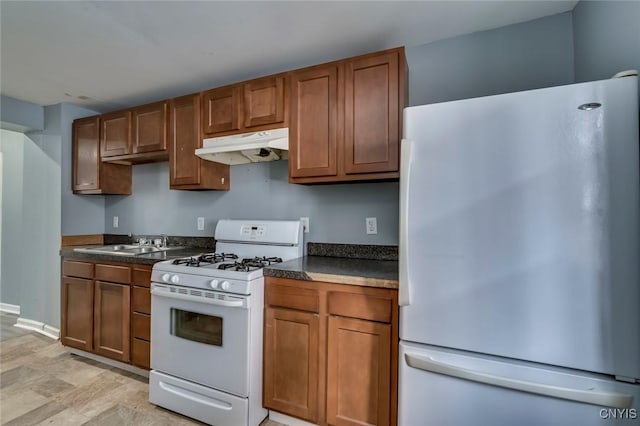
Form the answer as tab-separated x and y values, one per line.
109	55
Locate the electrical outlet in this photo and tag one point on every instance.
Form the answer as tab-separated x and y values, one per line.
305	224
201	224
372	225
115	221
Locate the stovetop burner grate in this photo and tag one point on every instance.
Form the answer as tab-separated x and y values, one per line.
244	265
206	259
250	264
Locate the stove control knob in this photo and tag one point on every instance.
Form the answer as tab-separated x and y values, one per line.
214	283
175	279
225	285
165	278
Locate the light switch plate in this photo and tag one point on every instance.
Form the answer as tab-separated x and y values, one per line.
372	225
115	221
201	224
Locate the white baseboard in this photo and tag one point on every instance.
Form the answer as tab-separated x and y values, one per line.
38	327
9	308
287	420
112	362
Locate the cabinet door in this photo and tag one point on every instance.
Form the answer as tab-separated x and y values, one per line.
184	139
358	372
77	313
372	113
111	320
221	110
291	362
149	127
86	150
314	122
115	134
264	101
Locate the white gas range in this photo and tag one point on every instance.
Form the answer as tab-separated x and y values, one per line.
206	323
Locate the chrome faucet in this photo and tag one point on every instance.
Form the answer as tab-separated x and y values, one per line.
164	240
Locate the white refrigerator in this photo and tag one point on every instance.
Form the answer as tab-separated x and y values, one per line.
519	259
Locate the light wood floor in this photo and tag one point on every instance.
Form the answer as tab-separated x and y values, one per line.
41	383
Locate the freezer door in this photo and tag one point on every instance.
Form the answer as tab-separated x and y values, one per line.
446	387
519	226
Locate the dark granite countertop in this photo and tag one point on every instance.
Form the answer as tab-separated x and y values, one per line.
148	258
363	265
340	270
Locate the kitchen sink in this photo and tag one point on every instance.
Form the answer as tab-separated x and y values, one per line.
125	249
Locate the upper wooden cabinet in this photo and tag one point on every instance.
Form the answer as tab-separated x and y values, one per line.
90	175
149	128
253	105
372	113
346	119
222	110
115	134
137	135
186	170
264	101
313	137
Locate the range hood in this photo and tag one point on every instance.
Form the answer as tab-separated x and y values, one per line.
267	145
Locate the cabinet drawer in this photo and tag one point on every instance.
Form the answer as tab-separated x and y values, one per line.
141	300
113	273
71	268
141	325
360	306
292	297
141	276
140	353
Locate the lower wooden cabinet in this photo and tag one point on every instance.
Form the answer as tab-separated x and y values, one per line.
111	320
291	362
77	313
97	312
141	317
331	352
358	372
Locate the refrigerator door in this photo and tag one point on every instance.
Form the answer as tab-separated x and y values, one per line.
448	387
519	226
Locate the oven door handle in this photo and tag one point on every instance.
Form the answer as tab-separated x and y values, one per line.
229	303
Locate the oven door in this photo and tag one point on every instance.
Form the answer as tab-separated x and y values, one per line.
201	336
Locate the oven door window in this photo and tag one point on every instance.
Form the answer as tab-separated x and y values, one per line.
196	327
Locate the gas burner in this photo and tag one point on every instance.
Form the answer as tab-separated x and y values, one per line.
216	257
250	264
204	259
187	261
264	261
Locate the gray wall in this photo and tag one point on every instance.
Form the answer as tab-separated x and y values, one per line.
31	223
258	191
533	54
11	145
607	38
36	190
518	57
20	116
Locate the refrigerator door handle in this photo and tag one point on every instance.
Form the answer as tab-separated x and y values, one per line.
404	291
603	399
